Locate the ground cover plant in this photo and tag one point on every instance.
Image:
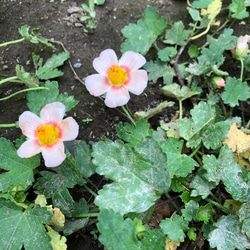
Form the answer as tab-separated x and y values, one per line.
198	163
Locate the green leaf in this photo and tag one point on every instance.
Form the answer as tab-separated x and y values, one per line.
203	128
201	186
159	69
235	91
23	228
177	164
193	51
174	227
116	233
133	134
49	69
99	2
73	224
177	34
63	176
153	240
38	99
175	91
191	233
227	234
195	14
190	210
201	3
29	80
137	174
236	180
166	54
142	35
18	170
238	8
205	213
244	215
24	31
83	159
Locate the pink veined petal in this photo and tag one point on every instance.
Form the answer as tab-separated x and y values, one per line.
105	61
132	60
96	84
29	148
117	97
69	129
28	123
138	81
54	156
53	112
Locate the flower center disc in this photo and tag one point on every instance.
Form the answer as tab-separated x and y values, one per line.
47	134
117	76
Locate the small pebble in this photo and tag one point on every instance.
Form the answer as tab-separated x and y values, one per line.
77	65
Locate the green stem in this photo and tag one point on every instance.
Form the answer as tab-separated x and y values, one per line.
226	210
8	125
195	151
9	79
180	109
242	69
21	91
86	215
128	115
89	190
214	197
12	42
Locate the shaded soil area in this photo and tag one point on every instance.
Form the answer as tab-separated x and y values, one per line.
57	24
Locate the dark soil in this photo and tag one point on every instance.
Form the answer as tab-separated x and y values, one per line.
50	17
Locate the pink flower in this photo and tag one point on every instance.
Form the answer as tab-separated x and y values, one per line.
241	49
117	78
46	134
218	81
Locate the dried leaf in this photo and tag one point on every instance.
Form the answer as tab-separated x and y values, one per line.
238	141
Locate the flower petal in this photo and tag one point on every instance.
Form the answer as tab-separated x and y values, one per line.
132	60
117	97
138	81
96	84
54	156
69	129
53	112
29	148
28	123
105	61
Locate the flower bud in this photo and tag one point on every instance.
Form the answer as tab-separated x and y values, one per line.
241	50
218	82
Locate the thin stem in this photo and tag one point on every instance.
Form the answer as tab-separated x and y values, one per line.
8	125
128	115
21	91
9	79
85	215
214	197
195	151
12	42
201	34
226	210
180	108
89	190
242	69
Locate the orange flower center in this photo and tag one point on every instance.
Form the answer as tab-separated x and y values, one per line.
47	134
117	76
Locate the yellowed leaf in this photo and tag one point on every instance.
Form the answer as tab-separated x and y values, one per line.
58	218
172	245
243	161
232	204
238	141
213	9
58	242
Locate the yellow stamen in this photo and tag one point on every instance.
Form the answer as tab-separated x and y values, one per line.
117	76
47	134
